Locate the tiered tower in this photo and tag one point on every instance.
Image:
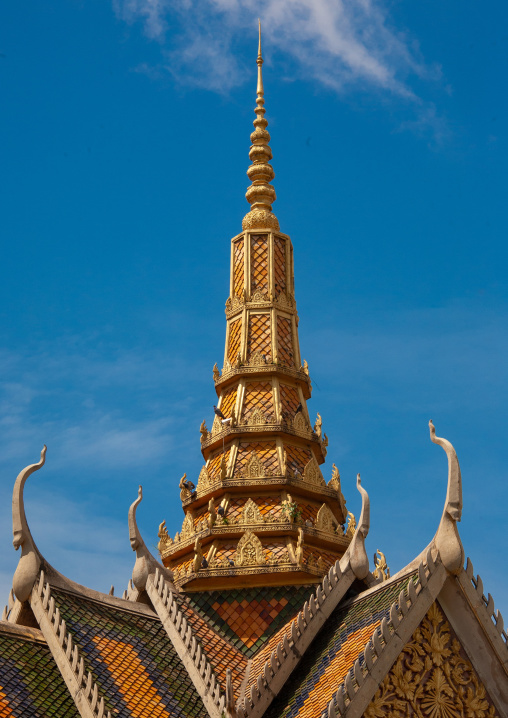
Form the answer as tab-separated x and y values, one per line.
262	512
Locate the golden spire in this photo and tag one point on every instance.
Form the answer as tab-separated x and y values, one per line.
260	194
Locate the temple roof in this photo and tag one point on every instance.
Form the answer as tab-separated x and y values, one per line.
265	605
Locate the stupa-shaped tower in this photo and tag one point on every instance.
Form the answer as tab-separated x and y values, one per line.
261	512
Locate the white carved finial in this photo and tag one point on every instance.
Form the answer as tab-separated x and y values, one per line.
447	540
30	560
145	564
357	554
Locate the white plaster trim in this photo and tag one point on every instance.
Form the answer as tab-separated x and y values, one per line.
83	689
302	631
363	679
186	645
490	618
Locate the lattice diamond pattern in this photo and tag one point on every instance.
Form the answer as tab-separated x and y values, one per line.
213	466
259	339
266	452
285	345
250	617
269	506
220	652
258	395
259	262
228	401
280	265
238	272
289	398
297	458
234	339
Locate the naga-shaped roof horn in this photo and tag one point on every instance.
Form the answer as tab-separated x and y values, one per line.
358	558
447	540
30	560
145	564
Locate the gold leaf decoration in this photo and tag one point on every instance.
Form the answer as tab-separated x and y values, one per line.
432	678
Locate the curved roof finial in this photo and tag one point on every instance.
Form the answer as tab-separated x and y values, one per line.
260	194
447	540
357	554
30	560
145	564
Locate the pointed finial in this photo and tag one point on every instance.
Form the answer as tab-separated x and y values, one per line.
260	194
447	538
30	561
357	553
145	564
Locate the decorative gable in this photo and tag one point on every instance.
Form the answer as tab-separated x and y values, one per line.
432	677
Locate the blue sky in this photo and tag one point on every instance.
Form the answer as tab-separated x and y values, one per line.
125	131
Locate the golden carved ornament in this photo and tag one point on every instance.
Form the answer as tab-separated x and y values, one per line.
334	483
251	513
204	479
164	538
257	418
216	372
299	422
216	426
259	296
351	525
299	548
257	359
317	426
198	556
382	571
223	468
260	219
187	527
249	551
432	678
185	492
325	520
312	473
254	469
203	431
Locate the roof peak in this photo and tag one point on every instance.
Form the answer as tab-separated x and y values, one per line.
260	194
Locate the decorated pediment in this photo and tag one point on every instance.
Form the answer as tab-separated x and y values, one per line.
257	418
187	527
251	513
249	551
312	473
204	480
325	520
300	423
257	359
254	469
432	677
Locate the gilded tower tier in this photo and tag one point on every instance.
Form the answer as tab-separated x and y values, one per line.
261	512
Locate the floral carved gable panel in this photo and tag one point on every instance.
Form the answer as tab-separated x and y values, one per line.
432	678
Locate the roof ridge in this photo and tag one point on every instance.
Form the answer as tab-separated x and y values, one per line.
302	631
71	664
304	628
487	614
388	639
186	644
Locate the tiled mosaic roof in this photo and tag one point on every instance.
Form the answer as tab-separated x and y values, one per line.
27	670
132	660
334	651
249	617
221	653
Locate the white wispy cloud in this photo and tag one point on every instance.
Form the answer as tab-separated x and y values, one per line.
337	43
